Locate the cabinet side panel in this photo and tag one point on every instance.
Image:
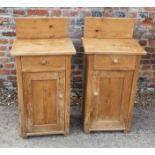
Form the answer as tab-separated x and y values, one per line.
88	92
21	107
67	101
133	92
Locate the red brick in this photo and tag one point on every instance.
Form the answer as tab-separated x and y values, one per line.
148	56
152	15
37	12
65	12
3	41
3	48
19	12
108	11
152	42
86	13
73	13
56	12
10	47
153	56
143	42
132	14
149	8
152	79
4	71
149	49
152	61
2	53
13	72
9	65
2	10
146	67
10	34
152	84
147	73
145	61
76	71
3	60
11	78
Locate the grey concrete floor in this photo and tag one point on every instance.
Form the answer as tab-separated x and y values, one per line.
141	135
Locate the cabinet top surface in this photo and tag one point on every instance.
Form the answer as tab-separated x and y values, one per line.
112	46
26	47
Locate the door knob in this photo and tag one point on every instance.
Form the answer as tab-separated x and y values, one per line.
115	60
95	93
61	96
44	62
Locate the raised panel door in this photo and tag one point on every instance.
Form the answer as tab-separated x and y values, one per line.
44	99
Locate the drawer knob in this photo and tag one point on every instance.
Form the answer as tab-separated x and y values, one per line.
95	93
61	96
115	61
44	62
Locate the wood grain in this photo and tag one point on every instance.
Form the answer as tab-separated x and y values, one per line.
34	47
107	104
45	110
41	27
88	94
112	46
123	62
103	27
112	65
68	87
21	106
43	63
132	95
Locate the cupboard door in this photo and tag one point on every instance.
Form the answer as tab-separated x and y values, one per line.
44	95
110	99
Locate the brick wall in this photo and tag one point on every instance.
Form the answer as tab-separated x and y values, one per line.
145	35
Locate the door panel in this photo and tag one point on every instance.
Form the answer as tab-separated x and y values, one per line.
109	101
44	111
44	99
111	90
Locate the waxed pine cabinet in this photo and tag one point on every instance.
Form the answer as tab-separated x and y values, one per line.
43	63
112	59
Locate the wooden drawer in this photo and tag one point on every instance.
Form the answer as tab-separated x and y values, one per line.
110	62
42	63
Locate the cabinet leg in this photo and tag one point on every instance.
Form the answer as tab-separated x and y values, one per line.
127	130
86	130
23	135
66	133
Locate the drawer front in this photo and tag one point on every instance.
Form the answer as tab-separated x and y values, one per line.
110	62
42	63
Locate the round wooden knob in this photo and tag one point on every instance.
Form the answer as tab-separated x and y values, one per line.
95	93
61	96
115	61
44	62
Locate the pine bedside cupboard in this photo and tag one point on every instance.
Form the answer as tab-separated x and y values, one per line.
43	63
112	63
